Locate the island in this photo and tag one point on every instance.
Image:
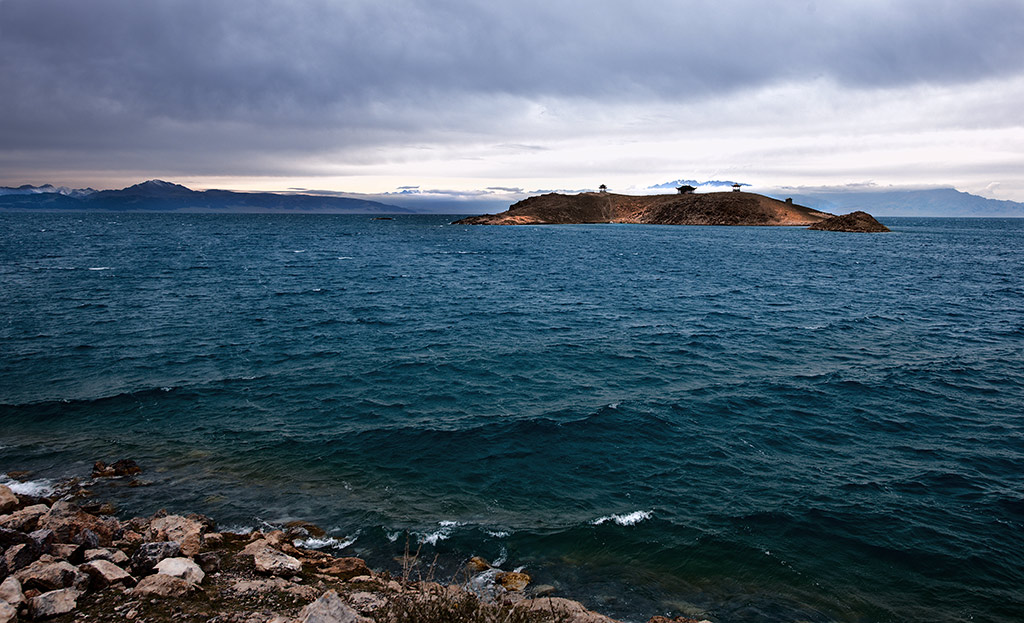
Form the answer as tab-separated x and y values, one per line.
685	208
853	222
721	208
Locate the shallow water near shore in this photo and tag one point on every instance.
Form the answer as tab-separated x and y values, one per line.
747	424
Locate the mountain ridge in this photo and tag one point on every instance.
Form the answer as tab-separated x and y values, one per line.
160	196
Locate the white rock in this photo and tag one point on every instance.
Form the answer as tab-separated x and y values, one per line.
184	531
181	568
8	613
10	591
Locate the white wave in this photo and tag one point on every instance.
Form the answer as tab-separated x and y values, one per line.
324	542
499	534
345	257
630	519
445	529
237	529
501	559
101	268
29	487
393	536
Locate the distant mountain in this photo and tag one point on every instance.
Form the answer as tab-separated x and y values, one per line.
933	202
28	189
161	196
695	183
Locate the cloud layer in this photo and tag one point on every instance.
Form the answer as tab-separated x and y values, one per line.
463	90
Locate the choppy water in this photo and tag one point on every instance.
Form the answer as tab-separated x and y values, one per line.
747	423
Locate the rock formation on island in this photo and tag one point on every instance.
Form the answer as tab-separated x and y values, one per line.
723	208
852	222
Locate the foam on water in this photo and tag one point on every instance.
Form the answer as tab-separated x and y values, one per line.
628	519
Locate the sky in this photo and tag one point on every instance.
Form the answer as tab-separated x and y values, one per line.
467	99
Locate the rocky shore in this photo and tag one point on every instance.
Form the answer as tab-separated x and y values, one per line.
66	558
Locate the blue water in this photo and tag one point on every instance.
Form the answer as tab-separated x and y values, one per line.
749	424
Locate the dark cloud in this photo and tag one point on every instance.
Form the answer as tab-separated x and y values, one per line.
130	81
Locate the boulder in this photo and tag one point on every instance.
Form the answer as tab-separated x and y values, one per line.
477	564
181	568
365	602
24	520
512	580
54	603
329	608
8	501
345	568
186	532
303	529
268	560
562	609
160	585
8	613
115	556
103	573
43	539
19	556
50	576
123	467
148	554
71	524
10	591
209	562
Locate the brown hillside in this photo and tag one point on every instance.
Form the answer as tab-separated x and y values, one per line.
726	208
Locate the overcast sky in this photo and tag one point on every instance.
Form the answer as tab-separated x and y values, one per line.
460	95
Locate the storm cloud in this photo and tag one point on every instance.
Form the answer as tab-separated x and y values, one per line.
211	87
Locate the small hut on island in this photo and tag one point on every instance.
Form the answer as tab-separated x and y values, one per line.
686	190
736	187
602	188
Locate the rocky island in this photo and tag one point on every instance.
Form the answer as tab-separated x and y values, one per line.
723	208
852	222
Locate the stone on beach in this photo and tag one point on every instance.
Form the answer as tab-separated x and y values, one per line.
123	467
115	556
25	519
160	585
330	608
181	568
54	603
564	609
10	591
49	576
71	524
149	554
8	501
104	573
346	568
268	560
186	532
512	580
8	612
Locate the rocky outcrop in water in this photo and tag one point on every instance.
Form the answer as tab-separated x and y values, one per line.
861	222
728	208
